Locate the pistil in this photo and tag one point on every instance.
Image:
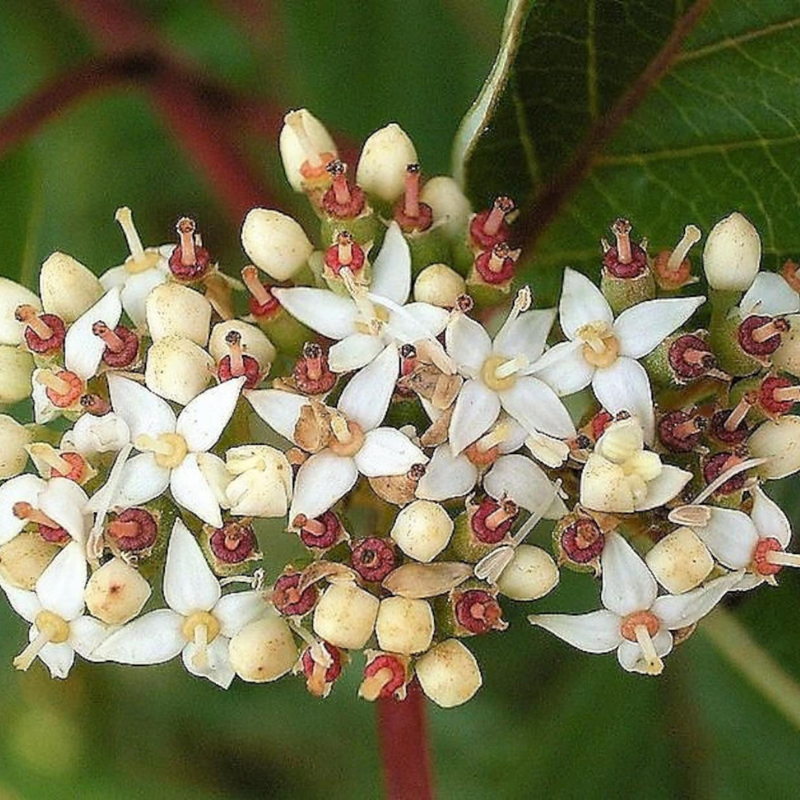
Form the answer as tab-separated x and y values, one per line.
30	317
502	207
26	511
52	629
112	341
654	664
621	230
691	235
737	416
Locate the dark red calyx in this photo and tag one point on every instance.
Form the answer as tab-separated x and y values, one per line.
78	467
496	265
233	543
95	405
373	558
599	422
189	260
343	200
478	611
250	369
491	521
720	427
321	532
345	253
262	303
777	395
490	227
680	432
582	541
44	333
385	675
319	678
122	345
625	260
133	530
690	357
721	462
761	336
53	535
311	373
288	600
760	563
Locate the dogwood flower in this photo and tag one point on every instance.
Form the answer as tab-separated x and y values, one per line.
634	621
348	439
199	622
497	376
59	628
604	352
370	320
173	450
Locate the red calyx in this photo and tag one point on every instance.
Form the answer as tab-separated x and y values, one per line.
188	261
71	395
78	470
252	371
489	227
42	345
396	673
311	373
343	200
719	463
760	563
345	253
483	530
760	336
680	432
478	611
233	543
582	541
53	535
127	353
600	421
321	532
767	399
626	260
133	530
332	672
496	265
372	558
690	357
288	600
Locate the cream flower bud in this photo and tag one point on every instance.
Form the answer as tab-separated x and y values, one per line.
177	369
449	674
422	530
439	285
404	625
275	243
25	558
303	139
779	442
116	592
787	356
254	342
732	254
263	650
13	295
680	561
175	310
345	616
531	574
382	165
67	288
449	204
16	369
262	486
13	438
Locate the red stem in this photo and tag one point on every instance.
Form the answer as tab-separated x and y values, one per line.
404	746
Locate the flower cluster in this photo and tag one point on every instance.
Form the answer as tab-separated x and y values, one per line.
427	421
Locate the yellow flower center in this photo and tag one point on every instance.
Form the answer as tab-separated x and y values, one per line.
601	346
169	449
500	373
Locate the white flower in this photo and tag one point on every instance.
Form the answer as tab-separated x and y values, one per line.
198	623
634	621
603	352
174	451
497	376
59	628
369	321
356	444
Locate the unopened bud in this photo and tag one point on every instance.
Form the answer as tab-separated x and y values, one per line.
275	243
449	204
253	341
345	616
16	369
779	442
680	561
306	147
404	625
67	288
13	438
449	674
732	254
177	369
531	574
382	166
176	310
116	592
263	650
439	285
25	558
422	530
12	296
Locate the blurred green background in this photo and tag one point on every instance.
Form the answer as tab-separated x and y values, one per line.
549	721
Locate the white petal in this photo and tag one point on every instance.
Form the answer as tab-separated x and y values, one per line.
563	368
354	352
25	603
631	657
91	435
680	611
447	476
468	344
58	658
65	503
144	411
515	437
581	303
189	583
771	295
43	410
327	313
236	610
141	480
86	634
366	398
769	519
597	632
641	328
22	489
152	639
190	490
280	410
476	409
749	581
664	487
82	349
386	451
60	587
202	421
321	481
391	271
217	667
536	407
134	294
624	386
216	476
628	585
520	479
417	321
116	276
731	537
526	335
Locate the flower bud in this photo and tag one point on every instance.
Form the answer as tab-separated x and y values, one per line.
779	441
275	243
13	295
404	625
531	574
13	438
177	369
25	558
787	356
304	140
439	285
345	616
732	254
116	592
108	433
254	343
262	486
67	288
263	650
449	674
176	310
422	530
450	206
16	367
382	166
680	561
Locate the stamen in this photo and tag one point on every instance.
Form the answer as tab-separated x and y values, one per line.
94	542
411	199
655	666
146	443
113	342
28	655
496	436
124	217
782	558
511	367
340	428
691	235
50	456
502	207
294	119
30	317
507	510
186	228
695	516
234	341
736	417
341	190
26	511
621	230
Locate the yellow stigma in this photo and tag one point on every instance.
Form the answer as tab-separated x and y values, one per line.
601	347
52	629
500	373
169	449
